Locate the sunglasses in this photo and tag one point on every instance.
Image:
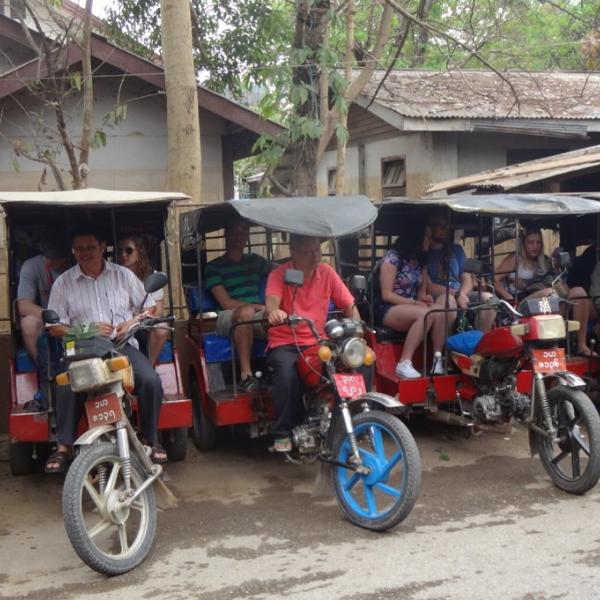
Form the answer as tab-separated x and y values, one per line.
126	250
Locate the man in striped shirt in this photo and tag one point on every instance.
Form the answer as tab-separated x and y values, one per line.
234	280
108	296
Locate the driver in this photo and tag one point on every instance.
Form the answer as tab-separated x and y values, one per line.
107	295
311	300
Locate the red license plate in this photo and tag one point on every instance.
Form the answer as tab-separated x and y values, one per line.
549	361
350	386
103	410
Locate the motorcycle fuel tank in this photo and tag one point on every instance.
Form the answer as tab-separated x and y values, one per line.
500	342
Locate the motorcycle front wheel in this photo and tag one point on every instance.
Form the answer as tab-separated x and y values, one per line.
573	460
109	538
383	497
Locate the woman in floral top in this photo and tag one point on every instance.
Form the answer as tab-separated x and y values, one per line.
404	302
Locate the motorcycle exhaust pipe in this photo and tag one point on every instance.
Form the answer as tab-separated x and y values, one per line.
448	418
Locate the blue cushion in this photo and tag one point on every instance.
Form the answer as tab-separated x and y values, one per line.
465	342
23	362
166	354
217	348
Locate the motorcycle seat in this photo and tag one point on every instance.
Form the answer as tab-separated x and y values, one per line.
391	336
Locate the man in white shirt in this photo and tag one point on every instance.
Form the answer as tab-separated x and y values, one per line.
107	295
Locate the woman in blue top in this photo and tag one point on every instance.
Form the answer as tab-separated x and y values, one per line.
404	301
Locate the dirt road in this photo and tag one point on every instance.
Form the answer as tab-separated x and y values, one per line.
488	524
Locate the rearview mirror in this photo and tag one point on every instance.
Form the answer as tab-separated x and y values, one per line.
564	260
293	277
358	283
50	317
155	281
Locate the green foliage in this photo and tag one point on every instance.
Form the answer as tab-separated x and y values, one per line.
85	331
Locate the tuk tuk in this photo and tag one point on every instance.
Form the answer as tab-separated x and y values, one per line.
376	468
490	379
27	217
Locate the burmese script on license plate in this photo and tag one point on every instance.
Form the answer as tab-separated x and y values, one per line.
103	410
350	385
549	361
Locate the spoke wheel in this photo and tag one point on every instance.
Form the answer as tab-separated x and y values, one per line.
109	537
384	496
573	460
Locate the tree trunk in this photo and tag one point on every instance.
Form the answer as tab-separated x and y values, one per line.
88	95
183	123
311	27
342	138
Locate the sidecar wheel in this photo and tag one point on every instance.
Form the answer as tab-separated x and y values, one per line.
573	462
385	496
21	458
175	443
109	539
204	431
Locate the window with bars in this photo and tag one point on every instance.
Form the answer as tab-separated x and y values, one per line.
393	177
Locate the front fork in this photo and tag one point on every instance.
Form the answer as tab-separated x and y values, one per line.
345	410
541	396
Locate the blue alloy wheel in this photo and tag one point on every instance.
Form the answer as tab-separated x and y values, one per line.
385	496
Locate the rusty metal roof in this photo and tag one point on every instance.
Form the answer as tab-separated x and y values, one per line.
525	173
478	94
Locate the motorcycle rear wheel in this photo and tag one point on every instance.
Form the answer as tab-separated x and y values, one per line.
384	497
578	425
104	539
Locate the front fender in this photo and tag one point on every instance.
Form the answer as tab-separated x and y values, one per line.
567	379
381	399
91	435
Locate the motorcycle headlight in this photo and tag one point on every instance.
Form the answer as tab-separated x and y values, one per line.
334	329
88	374
353	353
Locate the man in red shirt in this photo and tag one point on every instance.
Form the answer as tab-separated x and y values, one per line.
311	300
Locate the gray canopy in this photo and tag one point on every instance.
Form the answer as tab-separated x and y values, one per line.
515	205
324	217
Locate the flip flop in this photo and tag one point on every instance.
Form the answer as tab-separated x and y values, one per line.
587	354
158	455
62	460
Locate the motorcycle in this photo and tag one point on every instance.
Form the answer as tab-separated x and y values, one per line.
109	502
518	371
369	455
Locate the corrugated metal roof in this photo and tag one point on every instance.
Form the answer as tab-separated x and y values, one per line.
483	95
518	175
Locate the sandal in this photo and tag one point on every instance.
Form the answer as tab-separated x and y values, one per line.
61	459
587	353
158	455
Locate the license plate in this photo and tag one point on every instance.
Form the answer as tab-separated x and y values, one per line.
350	386
549	361
103	410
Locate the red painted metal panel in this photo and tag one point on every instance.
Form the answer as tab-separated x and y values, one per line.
414	391
175	413
28	427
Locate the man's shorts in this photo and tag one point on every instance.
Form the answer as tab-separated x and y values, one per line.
225	319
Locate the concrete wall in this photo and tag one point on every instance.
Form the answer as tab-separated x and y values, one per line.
432	157
416	148
135	156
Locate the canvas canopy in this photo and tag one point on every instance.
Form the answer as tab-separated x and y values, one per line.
89	197
323	217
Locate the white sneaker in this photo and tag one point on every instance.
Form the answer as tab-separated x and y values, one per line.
438	366
405	370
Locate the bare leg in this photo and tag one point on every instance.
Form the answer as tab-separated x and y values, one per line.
485	318
581	308
31	328
438	333
158	337
243	337
409	318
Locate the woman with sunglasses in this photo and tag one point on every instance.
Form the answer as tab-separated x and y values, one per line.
132	253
